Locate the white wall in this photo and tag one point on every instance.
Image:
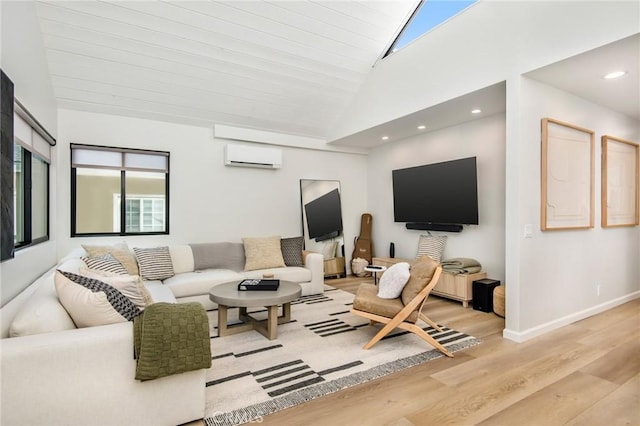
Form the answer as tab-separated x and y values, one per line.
482	138
209	201
23	60
559	270
467	54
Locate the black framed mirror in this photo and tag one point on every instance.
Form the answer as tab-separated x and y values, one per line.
321	206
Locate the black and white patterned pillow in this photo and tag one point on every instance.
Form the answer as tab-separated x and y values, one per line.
106	263
432	246
155	263
91	302
292	250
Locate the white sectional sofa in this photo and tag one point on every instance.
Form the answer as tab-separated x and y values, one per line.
56	374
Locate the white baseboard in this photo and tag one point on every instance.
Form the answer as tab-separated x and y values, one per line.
541	329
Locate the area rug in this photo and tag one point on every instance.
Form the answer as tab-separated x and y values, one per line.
319	352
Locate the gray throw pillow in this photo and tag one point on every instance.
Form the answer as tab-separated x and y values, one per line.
292	250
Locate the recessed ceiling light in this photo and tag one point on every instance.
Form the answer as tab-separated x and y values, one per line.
384	138
614	74
422	127
476	111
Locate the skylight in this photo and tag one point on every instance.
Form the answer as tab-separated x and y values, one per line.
428	15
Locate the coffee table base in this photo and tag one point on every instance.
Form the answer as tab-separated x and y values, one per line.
268	327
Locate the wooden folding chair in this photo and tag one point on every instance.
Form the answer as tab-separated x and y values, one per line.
395	313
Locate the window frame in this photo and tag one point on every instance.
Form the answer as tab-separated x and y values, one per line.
27	198
31	146
123	194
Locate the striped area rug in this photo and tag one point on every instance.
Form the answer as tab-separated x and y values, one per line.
319	352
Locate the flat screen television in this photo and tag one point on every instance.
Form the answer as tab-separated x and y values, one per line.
324	216
439	193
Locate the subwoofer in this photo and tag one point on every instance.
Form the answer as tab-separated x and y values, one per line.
483	294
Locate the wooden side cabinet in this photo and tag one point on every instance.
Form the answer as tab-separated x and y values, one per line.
456	287
335	267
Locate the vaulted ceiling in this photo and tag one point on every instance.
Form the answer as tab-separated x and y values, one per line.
284	66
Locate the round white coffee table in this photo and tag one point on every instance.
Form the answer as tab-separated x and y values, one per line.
227	296
375	269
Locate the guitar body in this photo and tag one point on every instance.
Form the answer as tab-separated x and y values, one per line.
363	245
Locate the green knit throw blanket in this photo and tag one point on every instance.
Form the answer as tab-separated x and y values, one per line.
171	338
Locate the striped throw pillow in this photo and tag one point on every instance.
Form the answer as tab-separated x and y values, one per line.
155	263
432	246
106	262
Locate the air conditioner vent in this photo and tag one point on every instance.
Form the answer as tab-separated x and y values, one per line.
252	156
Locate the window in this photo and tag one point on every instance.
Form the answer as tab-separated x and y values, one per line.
101	177
31	156
428	15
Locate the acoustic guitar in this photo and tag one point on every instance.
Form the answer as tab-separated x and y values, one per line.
363	245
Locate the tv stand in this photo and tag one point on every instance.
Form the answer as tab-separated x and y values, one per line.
446	227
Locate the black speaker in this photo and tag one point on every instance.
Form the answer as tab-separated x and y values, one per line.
434	227
483	294
392	250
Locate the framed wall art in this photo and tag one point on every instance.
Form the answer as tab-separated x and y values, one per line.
567	169
620	182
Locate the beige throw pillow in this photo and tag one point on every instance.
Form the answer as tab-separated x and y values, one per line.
262	253
91	302
119	251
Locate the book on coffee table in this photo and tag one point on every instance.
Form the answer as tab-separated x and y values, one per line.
258	284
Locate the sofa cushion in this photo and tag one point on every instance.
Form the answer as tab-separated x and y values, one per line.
129	285
297	274
91	302
106	262
393	281
42	312
292	250
181	258
199	282
154	262
224	255
262	253
119	251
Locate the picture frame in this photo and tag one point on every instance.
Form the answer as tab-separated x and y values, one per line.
620	182
567	176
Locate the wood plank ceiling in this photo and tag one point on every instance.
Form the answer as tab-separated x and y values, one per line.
286	66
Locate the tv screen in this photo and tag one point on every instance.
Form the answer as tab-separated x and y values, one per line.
439	193
324	216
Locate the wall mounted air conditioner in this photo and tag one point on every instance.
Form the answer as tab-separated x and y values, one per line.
252	156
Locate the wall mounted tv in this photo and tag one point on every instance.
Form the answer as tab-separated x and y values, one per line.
440	196
324	216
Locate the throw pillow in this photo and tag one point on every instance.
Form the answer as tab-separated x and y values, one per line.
432	246
292	250
106	262
155	263
422	271
129	285
329	250
91	302
262	253
393	281
119	251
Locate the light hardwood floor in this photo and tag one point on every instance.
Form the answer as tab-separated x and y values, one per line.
586	373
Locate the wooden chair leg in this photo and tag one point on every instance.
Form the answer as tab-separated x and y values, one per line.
429	321
384	331
433	342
